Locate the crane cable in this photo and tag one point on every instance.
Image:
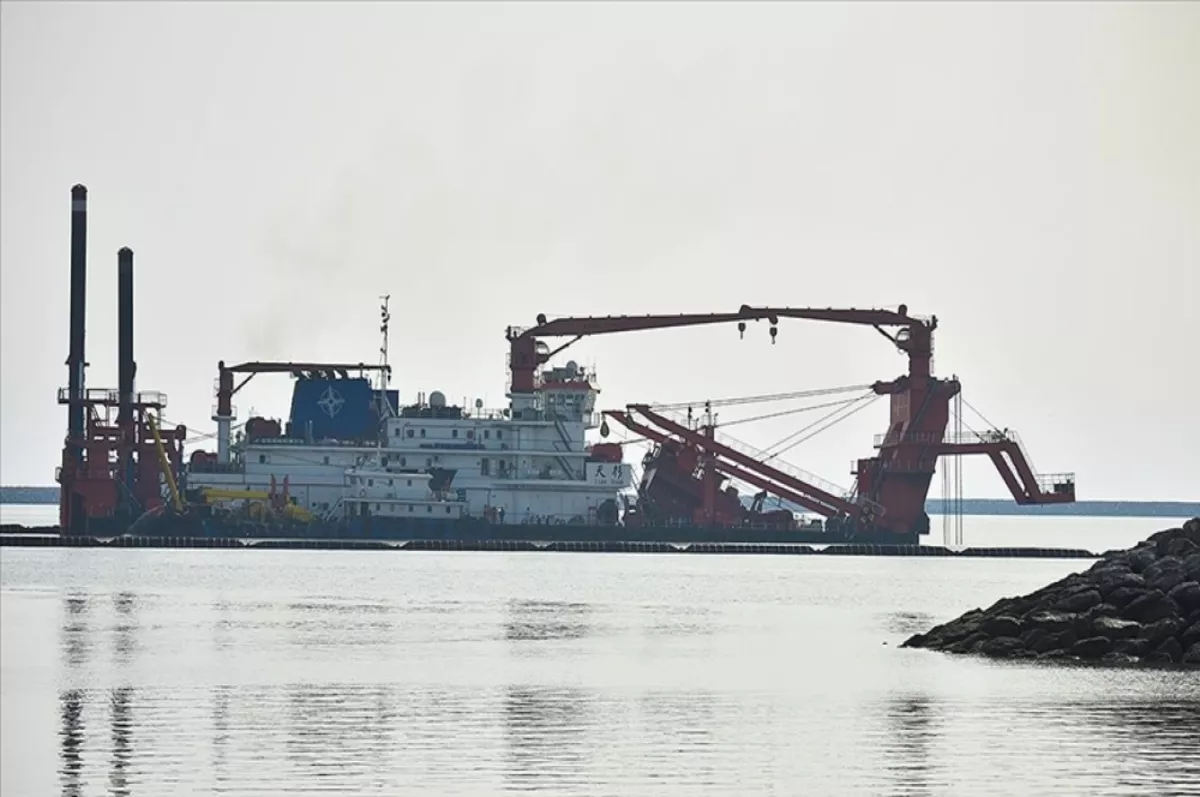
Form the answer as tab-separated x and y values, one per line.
726	402
862	403
794	411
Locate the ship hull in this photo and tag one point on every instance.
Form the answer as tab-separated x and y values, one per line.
474	530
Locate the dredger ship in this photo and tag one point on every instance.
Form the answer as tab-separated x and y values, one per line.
351	460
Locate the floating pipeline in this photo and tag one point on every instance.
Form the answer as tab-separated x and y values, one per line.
514	545
1134	606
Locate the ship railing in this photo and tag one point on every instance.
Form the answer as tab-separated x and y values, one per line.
202	466
487	413
102	395
1054	482
933	438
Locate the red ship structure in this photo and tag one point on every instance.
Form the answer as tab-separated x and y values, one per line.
687	473
119	462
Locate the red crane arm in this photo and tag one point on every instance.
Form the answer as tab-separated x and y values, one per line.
915	338
832	504
603	324
525	357
727	468
1026	486
850	315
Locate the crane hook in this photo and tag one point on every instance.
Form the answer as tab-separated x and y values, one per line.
742	330
774	332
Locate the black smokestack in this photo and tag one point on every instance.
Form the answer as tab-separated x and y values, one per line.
126	367
76	362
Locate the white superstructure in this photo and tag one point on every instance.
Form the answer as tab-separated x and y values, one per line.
529	462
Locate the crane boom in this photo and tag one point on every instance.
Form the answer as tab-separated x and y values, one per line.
526	355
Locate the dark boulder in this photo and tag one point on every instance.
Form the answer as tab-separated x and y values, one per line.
1186	594
1191	566
1141	558
1151	606
1079	601
1182	547
1002	626
1092	647
1123	596
1159	630
1053	622
1191	635
1115	627
1002	647
1165	573
1170	649
1136	605
1035	639
1131	647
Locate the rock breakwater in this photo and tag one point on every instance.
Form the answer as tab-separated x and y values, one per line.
1140	605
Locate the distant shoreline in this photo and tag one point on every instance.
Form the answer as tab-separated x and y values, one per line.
976	506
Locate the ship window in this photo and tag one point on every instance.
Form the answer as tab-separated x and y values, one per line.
485	467
262	459
377	507
383	461
396	432
403	461
429	508
325	459
410	507
410	432
499	434
389	482
422	433
454	433
370	482
409	483
487	433
470	434
447	510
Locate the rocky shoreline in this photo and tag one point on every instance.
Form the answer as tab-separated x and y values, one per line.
1137	606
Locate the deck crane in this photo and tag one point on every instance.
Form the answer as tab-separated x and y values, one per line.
891	487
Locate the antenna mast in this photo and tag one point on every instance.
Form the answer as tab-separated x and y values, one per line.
385	375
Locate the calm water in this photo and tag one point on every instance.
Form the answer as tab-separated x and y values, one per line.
291	672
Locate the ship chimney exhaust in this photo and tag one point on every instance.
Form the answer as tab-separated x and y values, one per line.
76	361
126	367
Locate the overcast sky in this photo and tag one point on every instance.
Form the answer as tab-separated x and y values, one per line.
1029	174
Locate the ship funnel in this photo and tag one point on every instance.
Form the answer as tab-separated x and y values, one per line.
126	367
75	360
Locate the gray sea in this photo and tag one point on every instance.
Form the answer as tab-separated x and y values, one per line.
174	672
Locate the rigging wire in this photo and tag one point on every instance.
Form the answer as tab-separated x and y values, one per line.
865	402
793	411
727	402
977	412
789	442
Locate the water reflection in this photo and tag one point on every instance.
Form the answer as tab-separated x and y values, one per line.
71	741
907	623
342	728
125	630
913	729
547	732
122	730
546	620
221	733
75	641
